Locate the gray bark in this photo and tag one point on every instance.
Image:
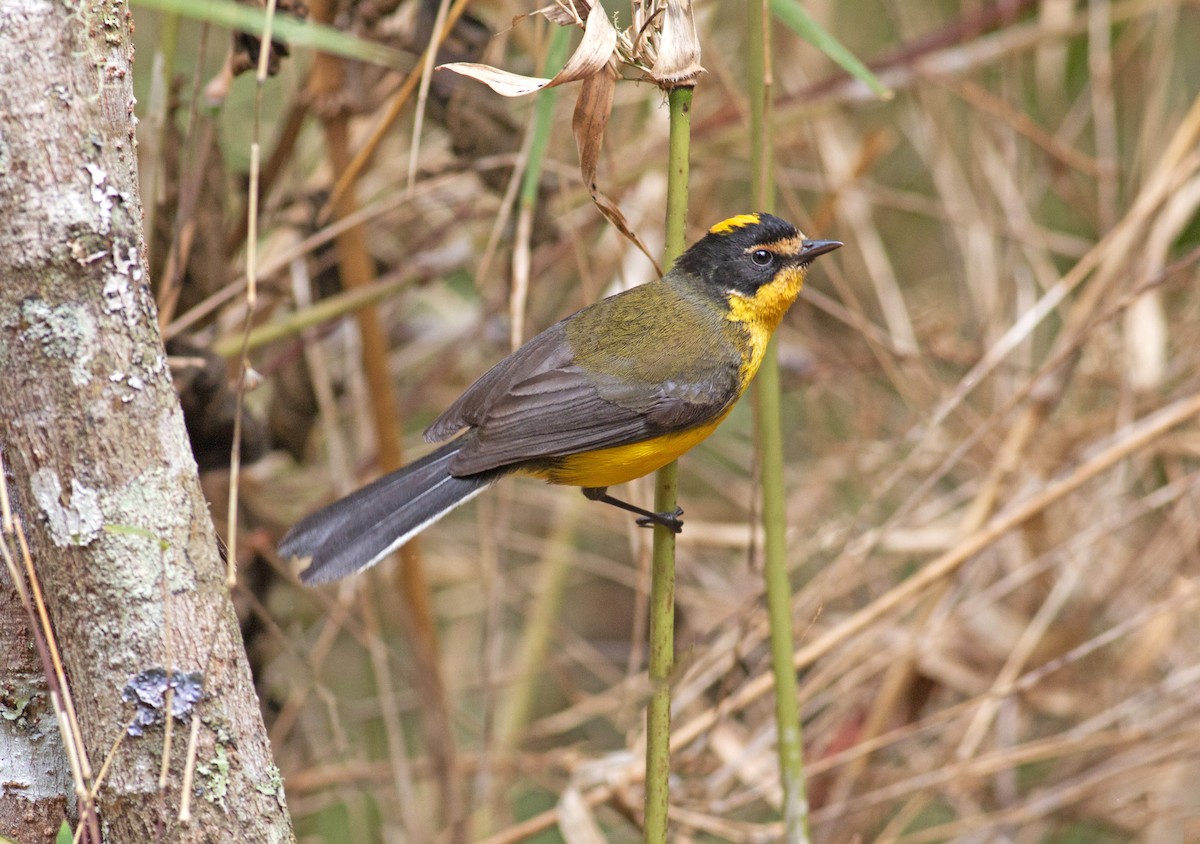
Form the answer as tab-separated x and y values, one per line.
35	781
93	441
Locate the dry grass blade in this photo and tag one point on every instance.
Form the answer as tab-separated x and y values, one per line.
1136	437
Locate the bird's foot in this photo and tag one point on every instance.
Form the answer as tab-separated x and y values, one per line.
671	521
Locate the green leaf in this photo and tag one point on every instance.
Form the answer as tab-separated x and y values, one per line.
795	18
64	834
284	27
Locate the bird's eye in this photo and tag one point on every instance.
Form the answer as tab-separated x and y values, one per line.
762	257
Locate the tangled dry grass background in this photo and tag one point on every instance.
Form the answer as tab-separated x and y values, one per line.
990	414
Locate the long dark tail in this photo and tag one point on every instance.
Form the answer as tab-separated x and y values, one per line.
358	531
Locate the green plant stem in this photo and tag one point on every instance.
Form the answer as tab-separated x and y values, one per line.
680	102
762	193
517	703
543	119
779	601
770	449
516	700
662	574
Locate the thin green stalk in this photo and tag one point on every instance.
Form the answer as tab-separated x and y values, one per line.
779	602
543	118
770	449
513	709
517	703
662	574
680	102
762	193
539	139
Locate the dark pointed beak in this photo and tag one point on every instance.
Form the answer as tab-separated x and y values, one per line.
810	249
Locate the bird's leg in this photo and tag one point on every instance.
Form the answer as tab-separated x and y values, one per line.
670	521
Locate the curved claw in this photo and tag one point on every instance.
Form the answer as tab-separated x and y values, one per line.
670	521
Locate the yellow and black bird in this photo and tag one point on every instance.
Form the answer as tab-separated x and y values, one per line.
611	393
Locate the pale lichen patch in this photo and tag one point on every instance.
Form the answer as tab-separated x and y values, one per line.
120	287
104	196
66	332
142	510
76	520
213	782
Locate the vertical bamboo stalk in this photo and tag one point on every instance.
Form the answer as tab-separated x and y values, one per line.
514	708
662	583
770	449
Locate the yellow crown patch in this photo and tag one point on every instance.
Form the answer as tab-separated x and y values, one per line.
741	220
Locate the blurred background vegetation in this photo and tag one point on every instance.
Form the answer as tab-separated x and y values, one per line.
965	387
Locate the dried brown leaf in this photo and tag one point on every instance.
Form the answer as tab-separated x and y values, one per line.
590	57
566	13
588	123
501	81
678	61
590	119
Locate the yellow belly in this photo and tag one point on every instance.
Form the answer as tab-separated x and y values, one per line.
616	465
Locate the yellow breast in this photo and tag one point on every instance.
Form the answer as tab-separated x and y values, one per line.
761	314
622	463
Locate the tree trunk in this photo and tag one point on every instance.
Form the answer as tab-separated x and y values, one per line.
93	439
35	781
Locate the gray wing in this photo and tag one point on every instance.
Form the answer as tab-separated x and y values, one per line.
538	403
544	353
